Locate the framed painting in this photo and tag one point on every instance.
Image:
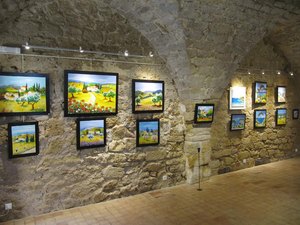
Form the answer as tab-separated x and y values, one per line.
91	133
204	113
147	132
295	114
260	92
23	139
90	93
24	94
260	118
281	116
280	94
237	98
147	96
237	122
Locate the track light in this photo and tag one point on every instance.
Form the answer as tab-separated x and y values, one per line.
278	72
126	53
291	73
263	72
27	47
81	50
151	54
249	72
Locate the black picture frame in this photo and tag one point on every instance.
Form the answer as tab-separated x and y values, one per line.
151	139
233	123
295	114
153	108
24	94
280	94
260	91
22	136
97	91
281	117
258	122
207	116
87	129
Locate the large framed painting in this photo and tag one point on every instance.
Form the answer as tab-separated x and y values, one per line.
90	93
281	116
295	114
237	98
280	94
24	94
23	139
147	96
91	133
147	132
260	92
204	113
260	118
237	122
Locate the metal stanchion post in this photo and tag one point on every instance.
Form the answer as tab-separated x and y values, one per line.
199	175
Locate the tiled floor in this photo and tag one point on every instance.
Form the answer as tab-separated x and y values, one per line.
263	195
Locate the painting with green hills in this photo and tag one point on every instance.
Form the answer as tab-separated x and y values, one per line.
23	94
90	93
148	96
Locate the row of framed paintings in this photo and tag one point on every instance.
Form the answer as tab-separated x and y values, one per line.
85	94
23	138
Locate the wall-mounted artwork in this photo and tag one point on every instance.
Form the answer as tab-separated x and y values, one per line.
281	116
24	94
204	113
237	98
295	114
237	122
23	139
281	94
91	133
260	118
90	93
147	132
147	96
260	92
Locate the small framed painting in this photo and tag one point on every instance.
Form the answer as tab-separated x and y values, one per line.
23	139
260	118
295	114
24	94
147	132
260	93
204	113
147	96
237	122
90	93
237	98
91	133
281	116
280	94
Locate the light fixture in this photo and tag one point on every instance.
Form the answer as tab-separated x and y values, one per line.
126	53
27	47
81	50
249	72
263	72
151	54
278	72
291	73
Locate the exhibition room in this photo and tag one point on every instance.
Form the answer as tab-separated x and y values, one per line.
149	112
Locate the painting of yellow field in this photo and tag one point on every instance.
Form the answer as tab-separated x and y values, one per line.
23	139
148	132
281	116
91	93
91	133
148	96
23	94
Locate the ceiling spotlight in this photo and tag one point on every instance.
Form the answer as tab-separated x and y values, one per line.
151	54
278	72
291	73
249	72
126	53
81	50
27	47
263	72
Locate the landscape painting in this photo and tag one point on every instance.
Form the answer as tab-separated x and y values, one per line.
91	133
281	94
281	116
90	93
260	92
147	96
23	94
148	132
237	122
260	118
204	113
237	98
295	114
23	139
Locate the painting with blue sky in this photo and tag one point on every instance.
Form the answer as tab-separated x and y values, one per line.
148	132
260	118
237	98
237	121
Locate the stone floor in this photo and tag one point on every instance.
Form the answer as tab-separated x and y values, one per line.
263	195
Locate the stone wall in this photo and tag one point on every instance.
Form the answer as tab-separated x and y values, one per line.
62	177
